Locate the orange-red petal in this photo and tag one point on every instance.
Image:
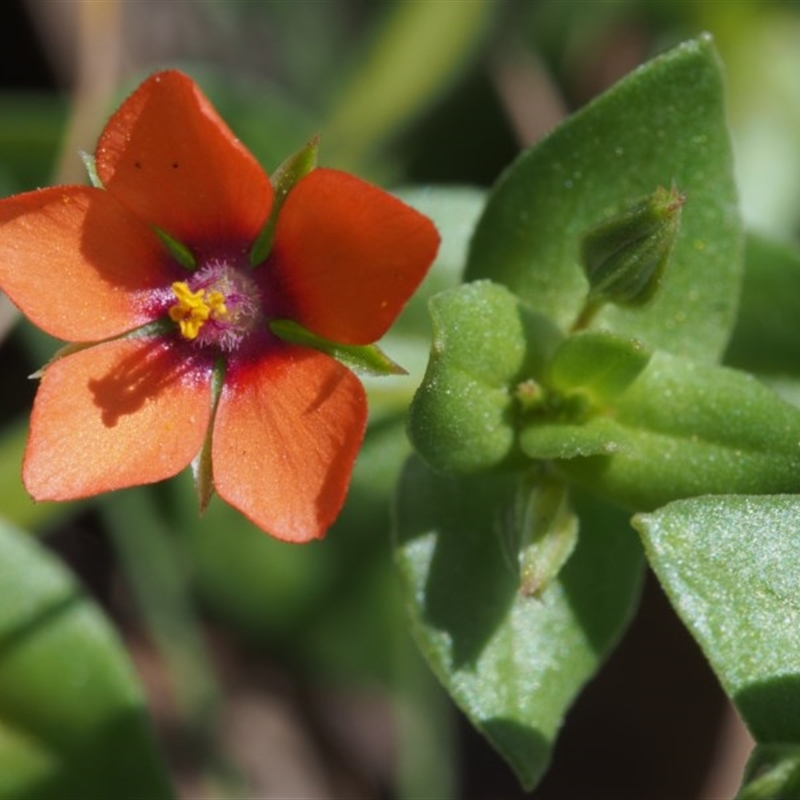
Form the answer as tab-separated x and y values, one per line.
168	155
121	413
347	256
77	263
286	435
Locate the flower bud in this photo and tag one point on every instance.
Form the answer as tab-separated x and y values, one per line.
624	257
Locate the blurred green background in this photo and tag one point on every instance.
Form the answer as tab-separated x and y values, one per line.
276	670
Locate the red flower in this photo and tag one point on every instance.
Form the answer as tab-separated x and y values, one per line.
183	366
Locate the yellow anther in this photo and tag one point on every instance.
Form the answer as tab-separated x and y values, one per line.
194	309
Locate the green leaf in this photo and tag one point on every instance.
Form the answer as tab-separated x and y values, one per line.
685	428
72	717
485	341
598	436
663	124
772	773
512	663
599	363
730	567
766	337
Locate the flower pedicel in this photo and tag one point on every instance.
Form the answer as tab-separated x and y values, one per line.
167	284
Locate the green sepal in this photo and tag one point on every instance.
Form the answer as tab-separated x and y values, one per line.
90	164
62	352
597	363
362	359
290	171
157	328
772	773
540	531
687	429
624	257
202	470
485	343
178	250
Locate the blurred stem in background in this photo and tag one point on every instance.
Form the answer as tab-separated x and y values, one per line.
150	560
426	728
415	56
97	74
97	67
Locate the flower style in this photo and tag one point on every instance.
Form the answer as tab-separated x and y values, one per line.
172	276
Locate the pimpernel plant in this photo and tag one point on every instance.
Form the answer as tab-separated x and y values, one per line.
575	383
603	381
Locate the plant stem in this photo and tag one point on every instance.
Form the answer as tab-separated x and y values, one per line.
588	312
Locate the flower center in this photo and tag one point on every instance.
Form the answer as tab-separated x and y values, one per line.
194	309
219	305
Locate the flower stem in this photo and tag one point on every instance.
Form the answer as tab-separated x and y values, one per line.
587	314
